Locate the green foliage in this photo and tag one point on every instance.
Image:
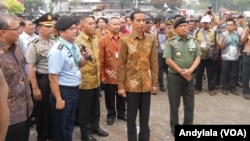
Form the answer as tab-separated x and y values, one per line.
14	6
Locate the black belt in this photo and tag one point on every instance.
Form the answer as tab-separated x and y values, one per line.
40	75
69	87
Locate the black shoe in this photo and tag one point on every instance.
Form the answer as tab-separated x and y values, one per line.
246	95
235	92
122	118
162	89
89	138
100	132
110	121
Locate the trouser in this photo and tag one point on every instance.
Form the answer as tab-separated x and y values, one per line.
179	87
162	67
18	132
89	111
245	73
210	66
135	102
63	120
229	72
43	109
111	96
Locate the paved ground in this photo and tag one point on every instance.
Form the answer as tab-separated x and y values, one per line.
219	109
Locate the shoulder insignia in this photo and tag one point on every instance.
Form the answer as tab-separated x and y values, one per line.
35	40
60	47
171	38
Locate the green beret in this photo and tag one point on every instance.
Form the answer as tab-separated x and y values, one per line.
180	21
65	22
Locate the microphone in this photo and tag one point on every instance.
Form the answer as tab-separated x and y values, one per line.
84	48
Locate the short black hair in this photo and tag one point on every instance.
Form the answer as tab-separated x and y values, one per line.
157	20
132	15
230	19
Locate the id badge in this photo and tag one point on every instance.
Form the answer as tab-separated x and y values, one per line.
116	55
203	44
232	51
162	46
78	73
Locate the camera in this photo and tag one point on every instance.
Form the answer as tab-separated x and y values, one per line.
209	9
162	30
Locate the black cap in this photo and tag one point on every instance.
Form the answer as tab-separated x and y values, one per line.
180	21
45	20
65	22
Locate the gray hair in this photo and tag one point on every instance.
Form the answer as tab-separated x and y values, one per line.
5	20
112	18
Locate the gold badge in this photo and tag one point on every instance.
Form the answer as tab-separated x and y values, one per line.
49	17
178	54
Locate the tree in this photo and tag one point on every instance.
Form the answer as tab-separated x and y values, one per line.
33	5
242	5
14	6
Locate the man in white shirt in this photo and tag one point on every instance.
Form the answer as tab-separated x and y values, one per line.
27	34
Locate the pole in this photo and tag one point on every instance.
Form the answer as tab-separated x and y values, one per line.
136	6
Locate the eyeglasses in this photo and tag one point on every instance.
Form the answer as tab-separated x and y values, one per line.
18	29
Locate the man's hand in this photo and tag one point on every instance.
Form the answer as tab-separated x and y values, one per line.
153	90
60	104
37	94
122	93
187	74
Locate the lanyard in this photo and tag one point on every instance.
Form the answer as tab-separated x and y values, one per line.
74	51
232	38
116	46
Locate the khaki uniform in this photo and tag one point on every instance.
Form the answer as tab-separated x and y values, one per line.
37	52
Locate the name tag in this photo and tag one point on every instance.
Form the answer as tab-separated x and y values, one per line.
203	44
116	55
78	74
232	51
162	46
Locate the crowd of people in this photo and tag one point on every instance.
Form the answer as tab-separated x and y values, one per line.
54	68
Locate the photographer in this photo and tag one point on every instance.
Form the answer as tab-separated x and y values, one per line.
161	61
245	62
214	20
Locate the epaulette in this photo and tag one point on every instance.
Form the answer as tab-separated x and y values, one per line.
171	38
35	40
60	47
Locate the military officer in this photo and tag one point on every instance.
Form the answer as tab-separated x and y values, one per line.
36	56
182	56
64	61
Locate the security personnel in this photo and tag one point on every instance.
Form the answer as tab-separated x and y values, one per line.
64	62
171	33
182	56
36	57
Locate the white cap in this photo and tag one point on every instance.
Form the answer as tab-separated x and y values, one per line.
206	19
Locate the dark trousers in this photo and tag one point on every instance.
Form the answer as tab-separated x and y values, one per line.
162	67
245	73
43	109
210	66
18	132
89	111
63	120
179	87
111	96
229	73
135	102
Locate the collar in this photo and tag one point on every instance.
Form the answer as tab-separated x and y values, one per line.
110	35
134	35
85	36
177	37
66	43
26	36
